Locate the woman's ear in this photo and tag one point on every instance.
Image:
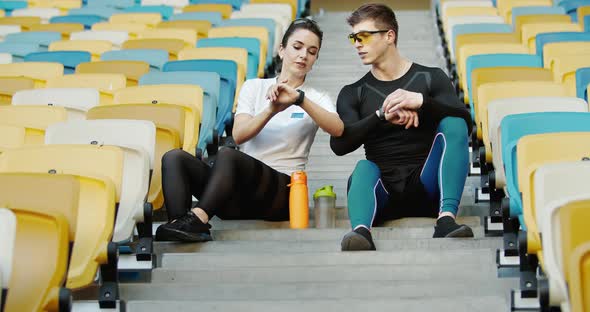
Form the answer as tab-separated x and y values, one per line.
281	51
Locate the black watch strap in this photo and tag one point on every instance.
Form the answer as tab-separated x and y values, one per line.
299	100
381	114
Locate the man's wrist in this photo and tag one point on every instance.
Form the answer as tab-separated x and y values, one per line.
420	100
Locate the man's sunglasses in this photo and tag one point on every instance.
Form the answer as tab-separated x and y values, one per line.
364	36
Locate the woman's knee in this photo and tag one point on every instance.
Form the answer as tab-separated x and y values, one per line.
173	158
227	154
454	129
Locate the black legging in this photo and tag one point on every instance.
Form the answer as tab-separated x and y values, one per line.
236	187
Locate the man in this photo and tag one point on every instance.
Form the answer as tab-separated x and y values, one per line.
414	130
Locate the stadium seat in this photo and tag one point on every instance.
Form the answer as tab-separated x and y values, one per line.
132	70
522	20
5	30
9	85
173	46
464	20
104	12
224	9
505	6
9	6
94	47
564	70
187	96
274	37
44	13
77	101
201	27
546	38
252	45
214	17
281	21
64	28
12	137
530	31
562	50
189	36
7	237
582	12
18	50
236	4
164	10
571	7
155	57
106	84
461	29
5	58
133	29
148	19
257	32
238	55
170	124
40	72
137	140
292	5
69	59
227	71
25	22
578	275
462	11
115	4
115	37
176	4
281	10
582	82
499	109
63	5
41	254
35	119
210	83
86	20
535	10
463	3
40	38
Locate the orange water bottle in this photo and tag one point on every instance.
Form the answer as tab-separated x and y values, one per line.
298	201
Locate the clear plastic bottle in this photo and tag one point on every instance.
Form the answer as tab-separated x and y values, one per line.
325	207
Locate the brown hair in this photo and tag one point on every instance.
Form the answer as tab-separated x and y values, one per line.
382	15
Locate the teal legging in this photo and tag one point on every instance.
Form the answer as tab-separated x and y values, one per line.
443	176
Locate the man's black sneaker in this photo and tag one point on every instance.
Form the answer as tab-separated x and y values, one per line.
359	239
188	228
447	227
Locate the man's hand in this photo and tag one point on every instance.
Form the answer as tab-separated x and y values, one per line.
402	99
402	117
281	96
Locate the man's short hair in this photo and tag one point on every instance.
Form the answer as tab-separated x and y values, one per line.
381	14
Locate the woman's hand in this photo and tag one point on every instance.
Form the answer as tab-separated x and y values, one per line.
281	96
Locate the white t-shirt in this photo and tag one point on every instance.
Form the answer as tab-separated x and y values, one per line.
284	142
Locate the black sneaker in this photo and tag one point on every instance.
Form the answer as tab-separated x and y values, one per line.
188	228
359	239
447	227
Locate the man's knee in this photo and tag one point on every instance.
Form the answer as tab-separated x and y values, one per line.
453	128
365	166
365	171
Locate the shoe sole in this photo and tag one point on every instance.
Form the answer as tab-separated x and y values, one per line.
180	236
463	231
355	242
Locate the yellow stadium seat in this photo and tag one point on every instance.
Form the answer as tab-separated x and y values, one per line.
530	31
259	33
94	47
99	170
173	46
188	96
505	6
485	75
133	70
64	28
224	9
564	70
170	125
12	137
538	18
582	12
201	27
557	50
148	19
238	55
579	274
533	152
25	22
34	118
132	29
2	13
468	50
63	5
39	71
509	89
106	84
41	255
189	36
464	11
10	85
291	3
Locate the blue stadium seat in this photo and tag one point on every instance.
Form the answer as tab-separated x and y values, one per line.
545	38
117	4
571	7
69	59
530	10
582	81
18	49
214	17
250	44
462	29
208	81
227	70
165	10
235	4
156	58
498	60
9	6
86	20
104	12
515	127
267	23
587	23
40	38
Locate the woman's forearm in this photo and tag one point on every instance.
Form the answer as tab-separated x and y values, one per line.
246	127
328	121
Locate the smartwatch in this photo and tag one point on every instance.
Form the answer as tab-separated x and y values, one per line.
299	100
380	113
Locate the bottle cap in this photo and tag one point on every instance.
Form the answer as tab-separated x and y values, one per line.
298	177
326	190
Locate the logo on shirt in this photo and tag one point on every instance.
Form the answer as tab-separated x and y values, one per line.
296	115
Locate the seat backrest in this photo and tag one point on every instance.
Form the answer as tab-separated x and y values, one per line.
177	4
115	37
257	32
34	118
6	30
470	19
291	3
582	81
505	6
87	20
564	69
282	22
9	85
41	38
26	22
69	59
40	255
555	51
106	84
574	233
132	70
173	46
137	139
462	29
545	38
132	29
530	31
164	10
214	17
538	18
104	12
64	28
578	275
94	47
274	36
155	57
12	137
189	36
269	9
7	237
44	13
169	121
40	72
224	9
18	50
76	100
200	26
535	10
148	19
252	45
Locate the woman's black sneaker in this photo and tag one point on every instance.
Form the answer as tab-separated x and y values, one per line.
188	228
448	227
359	239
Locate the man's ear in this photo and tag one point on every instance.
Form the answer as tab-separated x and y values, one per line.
391	36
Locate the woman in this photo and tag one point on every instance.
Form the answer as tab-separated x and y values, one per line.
275	124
